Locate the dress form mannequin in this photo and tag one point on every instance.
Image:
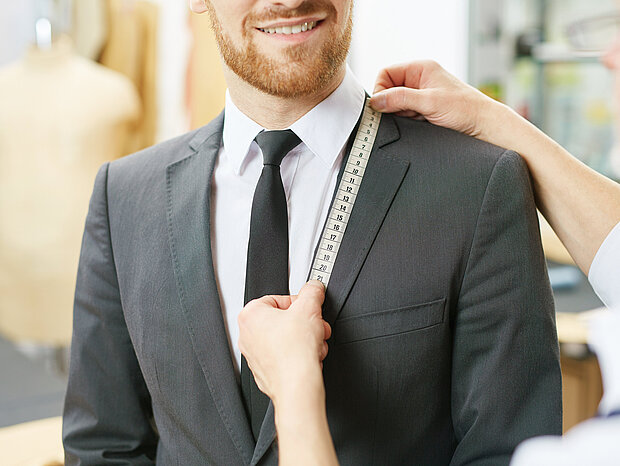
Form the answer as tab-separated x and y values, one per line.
61	117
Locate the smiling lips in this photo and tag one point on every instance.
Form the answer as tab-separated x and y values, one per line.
295	29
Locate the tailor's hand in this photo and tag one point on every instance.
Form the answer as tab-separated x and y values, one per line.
284	338
424	90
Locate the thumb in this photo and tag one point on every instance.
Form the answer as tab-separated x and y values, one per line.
399	99
311	296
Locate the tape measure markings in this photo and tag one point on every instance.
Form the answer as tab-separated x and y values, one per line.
348	188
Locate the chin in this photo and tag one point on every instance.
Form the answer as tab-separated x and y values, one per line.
293	71
294	80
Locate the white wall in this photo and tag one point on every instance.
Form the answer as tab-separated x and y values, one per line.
17	20
393	31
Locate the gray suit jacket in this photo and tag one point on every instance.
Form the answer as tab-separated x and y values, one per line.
444	348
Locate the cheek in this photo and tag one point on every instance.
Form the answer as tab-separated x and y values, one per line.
230	14
345	12
346	6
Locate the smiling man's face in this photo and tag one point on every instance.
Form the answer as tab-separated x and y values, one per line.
286	48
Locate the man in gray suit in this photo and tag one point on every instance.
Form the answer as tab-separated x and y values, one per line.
444	348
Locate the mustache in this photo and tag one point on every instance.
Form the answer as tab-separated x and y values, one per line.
307	8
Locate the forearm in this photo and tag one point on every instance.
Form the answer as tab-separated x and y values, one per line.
301	422
581	205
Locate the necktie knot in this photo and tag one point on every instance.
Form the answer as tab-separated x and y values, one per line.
275	145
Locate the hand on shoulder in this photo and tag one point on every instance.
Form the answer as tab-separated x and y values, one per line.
424	90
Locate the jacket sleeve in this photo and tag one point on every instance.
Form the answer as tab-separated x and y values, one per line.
107	415
506	379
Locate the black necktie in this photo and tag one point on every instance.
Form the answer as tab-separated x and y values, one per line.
267	267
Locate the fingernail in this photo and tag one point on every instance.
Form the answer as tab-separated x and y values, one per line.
378	102
318	283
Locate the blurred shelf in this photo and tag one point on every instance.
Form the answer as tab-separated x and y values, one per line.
551	53
573	326
28	391
578	298
33	443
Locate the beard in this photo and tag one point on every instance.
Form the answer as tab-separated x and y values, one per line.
303	70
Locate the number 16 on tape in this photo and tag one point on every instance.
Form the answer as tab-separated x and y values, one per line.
341	208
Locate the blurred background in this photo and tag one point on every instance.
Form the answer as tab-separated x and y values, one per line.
87	81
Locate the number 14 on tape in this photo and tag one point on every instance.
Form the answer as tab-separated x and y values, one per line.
341	208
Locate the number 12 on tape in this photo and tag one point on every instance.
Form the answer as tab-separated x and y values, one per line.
341	208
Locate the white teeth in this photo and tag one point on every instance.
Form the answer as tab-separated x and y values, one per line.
290	29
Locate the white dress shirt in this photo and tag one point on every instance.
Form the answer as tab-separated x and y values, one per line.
604	272
309	174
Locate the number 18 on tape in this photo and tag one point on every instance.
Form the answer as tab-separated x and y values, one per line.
348	188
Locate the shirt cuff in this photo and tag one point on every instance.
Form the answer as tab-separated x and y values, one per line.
605	269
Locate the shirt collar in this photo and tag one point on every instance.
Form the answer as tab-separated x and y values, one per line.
324	130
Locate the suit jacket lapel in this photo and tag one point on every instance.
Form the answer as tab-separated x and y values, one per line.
266	436
382	178
188	185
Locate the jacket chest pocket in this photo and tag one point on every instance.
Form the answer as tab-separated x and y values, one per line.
389	322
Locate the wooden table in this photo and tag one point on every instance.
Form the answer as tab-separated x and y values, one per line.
581	375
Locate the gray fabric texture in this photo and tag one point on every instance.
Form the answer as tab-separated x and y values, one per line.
444	347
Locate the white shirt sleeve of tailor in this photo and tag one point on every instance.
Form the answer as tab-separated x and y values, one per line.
594	442
605	270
